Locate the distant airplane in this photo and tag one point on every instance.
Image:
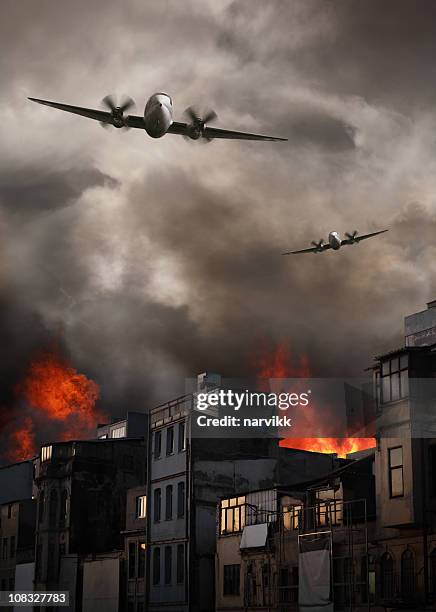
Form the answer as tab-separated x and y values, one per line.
157	119
335	242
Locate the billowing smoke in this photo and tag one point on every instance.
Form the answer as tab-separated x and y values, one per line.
149	261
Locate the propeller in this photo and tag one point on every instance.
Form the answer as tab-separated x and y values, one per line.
117	111
318	244
352	236
198	122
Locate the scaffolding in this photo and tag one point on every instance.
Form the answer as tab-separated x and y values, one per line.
351	574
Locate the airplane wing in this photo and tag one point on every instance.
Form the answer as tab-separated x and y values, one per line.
324	247
364	237
99	115
210	132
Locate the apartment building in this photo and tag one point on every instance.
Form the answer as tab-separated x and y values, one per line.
82	488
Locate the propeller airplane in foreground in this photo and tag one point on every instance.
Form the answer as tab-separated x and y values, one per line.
157	119
335	242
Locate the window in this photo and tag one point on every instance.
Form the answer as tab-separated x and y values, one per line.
9	511
157	447
156	566
169	503
181	499
53	508
132	560
182	437
292	517
141	506
141	559
46	452
157	505
407	575
233	515
387	576
395	379
119	432
231	579
170	440
180	563
12	547
168	564
396	481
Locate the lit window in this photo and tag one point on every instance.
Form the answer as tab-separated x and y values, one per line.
46	453
119	432
396	476
141	506
232	515
292	517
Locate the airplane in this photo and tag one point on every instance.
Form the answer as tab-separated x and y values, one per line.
157	119
335	242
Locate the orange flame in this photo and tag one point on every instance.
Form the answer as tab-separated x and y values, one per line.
63	401
22	442
278	363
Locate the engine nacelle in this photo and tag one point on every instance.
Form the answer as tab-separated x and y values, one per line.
158	115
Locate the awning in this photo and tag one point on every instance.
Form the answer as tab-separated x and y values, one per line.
254	536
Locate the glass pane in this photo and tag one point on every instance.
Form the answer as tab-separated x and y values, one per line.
385	368
405	383
404	361
225	503
395	364
223	521
397	482
241	500
242	516
233	501
386	389
236	519
395	387
396	456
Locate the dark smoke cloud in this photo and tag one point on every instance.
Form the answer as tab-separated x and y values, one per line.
150	261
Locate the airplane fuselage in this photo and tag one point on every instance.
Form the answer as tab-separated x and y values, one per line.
158	115
335	240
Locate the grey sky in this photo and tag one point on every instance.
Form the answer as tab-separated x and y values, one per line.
152	260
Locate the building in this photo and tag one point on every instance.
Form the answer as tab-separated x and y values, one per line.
135	546
133	425
259	535
17	539
187	476
82	488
